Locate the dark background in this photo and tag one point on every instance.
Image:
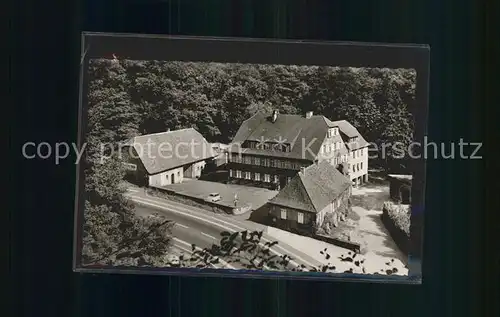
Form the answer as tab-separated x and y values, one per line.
44	68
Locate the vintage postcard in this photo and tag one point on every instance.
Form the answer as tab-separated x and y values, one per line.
251	158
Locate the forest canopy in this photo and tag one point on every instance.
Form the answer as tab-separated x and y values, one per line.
140	97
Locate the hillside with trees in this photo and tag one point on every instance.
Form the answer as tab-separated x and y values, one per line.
138	97
127	98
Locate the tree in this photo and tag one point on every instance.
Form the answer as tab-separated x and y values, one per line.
130	97
112	233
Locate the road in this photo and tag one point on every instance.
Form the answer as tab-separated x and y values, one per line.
202	228
186	231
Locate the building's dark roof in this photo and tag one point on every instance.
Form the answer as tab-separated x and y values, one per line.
180	147
350	132
306	135
313	188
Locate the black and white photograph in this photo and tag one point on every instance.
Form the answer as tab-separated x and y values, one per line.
245	167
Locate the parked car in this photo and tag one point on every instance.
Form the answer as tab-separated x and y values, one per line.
213	197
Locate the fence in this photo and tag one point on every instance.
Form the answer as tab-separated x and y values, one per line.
200	202
353	246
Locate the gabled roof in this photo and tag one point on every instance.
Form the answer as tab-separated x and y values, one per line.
160	152
313	189
304	134
350	132
401	177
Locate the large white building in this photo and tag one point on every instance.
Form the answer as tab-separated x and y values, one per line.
268	150
347	147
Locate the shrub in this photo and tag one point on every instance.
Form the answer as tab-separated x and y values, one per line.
399	214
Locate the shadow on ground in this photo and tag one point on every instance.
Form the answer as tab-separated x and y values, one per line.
388	242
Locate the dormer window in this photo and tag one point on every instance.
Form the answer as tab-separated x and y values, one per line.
333	131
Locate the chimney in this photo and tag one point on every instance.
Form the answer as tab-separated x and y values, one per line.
309	114
275	115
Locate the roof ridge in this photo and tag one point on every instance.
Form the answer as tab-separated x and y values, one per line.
307	192
166	132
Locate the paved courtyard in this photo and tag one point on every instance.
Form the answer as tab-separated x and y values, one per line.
256	197
370	232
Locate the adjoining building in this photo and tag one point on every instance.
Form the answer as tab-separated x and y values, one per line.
269	150
166	158
311	194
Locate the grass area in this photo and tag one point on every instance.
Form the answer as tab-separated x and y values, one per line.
353	216
368	201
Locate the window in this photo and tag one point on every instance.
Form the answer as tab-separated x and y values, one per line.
332	132
257	176
283	213
238	174
266	162
361	165
300	217
348	167
288	179
324	148
247	175
257	161
272	162
247	159
267	178
230	173
276	178
178	174
167	177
